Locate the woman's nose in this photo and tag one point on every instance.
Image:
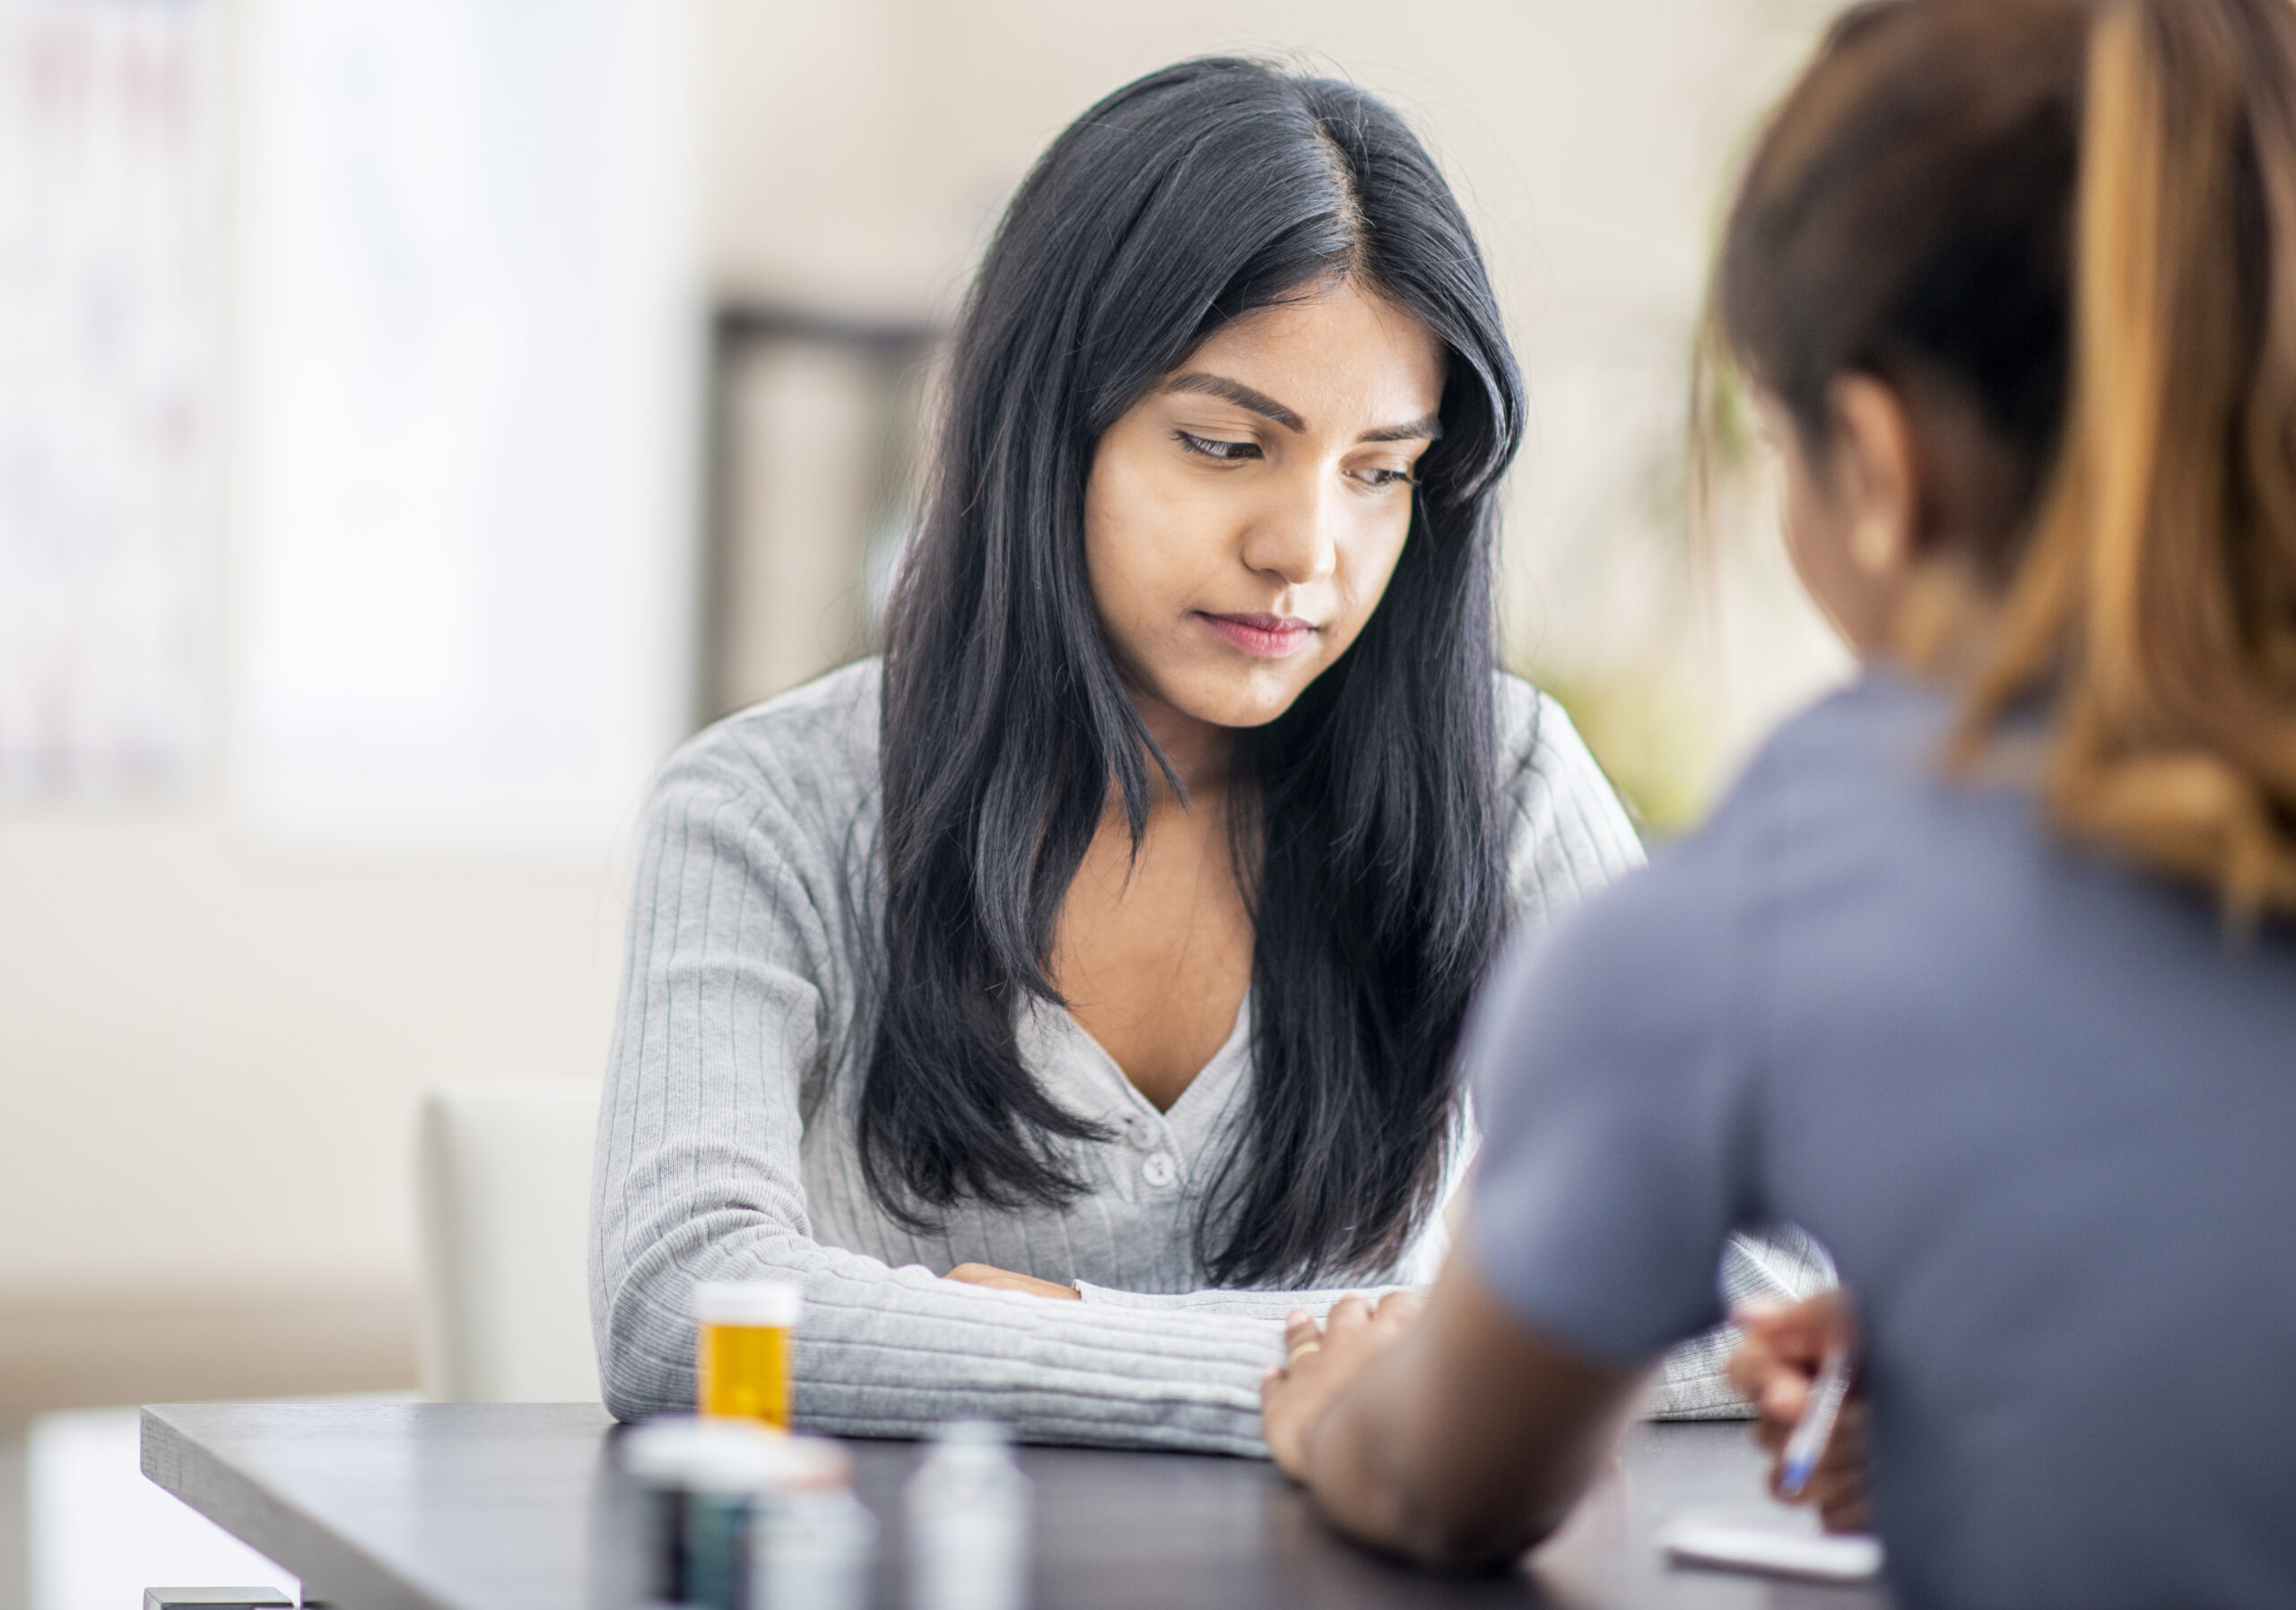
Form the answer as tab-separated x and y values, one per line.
1296	536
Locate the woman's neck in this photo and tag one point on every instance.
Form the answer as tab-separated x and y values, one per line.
1154	948
1199	751
1944	625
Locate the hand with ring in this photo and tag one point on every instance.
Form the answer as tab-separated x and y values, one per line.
1319	1361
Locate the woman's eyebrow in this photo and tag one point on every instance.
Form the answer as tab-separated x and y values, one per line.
1431	427
1258	402
1240	394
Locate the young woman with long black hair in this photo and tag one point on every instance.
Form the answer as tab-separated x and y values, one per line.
1108	942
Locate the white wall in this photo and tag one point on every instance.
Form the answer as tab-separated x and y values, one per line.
1588	140
213	1049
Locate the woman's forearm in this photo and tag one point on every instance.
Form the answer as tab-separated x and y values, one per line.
1457	1439
888	1351
1243	1305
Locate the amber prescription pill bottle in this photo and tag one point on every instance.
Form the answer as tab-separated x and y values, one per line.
745	1328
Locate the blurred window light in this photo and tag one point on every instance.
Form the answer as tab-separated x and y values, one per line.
105	254
464	481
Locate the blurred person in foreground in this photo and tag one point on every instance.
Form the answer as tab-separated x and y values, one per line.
1986	972
1063	998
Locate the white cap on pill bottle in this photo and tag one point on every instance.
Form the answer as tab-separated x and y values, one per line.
748	1302
702	1456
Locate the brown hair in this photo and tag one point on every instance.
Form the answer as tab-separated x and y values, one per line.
2077	218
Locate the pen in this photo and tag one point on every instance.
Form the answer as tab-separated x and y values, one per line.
1816	1428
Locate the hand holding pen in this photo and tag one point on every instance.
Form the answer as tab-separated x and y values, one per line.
1795	1362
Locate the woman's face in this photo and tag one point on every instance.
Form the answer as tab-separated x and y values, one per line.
1815	520
1242	519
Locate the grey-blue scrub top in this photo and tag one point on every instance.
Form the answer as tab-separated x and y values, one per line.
2041	1107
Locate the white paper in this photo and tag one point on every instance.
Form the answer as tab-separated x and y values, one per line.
1772	1550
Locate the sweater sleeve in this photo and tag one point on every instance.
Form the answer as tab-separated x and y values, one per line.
725	1018
1569	836
1267	1305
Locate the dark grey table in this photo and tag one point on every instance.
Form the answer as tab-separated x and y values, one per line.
505	1507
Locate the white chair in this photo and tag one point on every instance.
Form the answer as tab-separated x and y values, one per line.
504	1192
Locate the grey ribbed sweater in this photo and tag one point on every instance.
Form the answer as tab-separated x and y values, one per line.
726	1139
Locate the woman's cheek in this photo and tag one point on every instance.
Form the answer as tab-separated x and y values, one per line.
1364	573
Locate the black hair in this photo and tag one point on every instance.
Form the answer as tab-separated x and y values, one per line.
1374	862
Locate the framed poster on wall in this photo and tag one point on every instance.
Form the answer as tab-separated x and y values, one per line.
107	394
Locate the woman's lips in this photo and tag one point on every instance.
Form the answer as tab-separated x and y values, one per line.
1263	636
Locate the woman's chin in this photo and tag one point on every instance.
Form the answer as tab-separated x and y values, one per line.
1241	701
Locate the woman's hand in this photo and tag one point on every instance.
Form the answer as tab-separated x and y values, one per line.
1005	1280
1775	1361
1319	1361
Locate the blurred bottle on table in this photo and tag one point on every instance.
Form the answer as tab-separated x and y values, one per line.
968	1522
732	1516
699	1484
813	1539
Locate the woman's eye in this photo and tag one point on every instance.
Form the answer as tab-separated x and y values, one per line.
1212	446
1379	479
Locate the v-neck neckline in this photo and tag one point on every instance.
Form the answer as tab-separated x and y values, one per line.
1219	1073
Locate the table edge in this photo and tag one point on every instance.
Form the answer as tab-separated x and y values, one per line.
332	1572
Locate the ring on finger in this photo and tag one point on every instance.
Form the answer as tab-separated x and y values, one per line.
1299	1353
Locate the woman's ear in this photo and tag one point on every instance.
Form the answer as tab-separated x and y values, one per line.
1876	471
